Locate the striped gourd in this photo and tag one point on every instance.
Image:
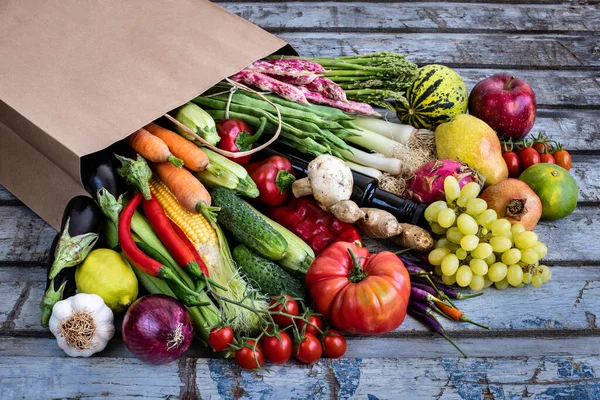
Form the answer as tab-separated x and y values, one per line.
436	96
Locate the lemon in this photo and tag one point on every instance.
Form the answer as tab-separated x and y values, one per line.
105	273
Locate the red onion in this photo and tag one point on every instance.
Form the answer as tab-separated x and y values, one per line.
157	329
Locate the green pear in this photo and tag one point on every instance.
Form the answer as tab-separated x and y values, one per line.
473	142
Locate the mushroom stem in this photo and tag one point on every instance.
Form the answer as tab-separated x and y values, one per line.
302	187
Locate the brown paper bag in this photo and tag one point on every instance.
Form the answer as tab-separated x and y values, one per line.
77	76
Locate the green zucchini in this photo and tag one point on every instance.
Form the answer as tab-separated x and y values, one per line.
247	226
264	275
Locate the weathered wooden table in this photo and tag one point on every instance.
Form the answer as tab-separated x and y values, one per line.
543	343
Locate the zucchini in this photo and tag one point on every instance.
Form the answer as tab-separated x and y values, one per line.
247	226
265	275
299	255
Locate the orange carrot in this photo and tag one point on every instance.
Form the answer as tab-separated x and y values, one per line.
193	157
455	314
152	148
188	190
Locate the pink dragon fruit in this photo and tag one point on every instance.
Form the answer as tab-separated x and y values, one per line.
427	183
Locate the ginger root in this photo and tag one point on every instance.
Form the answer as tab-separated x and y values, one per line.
378	224
347	211
414	237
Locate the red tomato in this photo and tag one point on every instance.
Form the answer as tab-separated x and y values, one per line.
220	338
541	147
547	158
563	159
315	320
291	308
512	162
309	349
363	293
277	351
334	344
528	157
249	358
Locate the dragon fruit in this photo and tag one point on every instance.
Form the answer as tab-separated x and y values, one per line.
427	183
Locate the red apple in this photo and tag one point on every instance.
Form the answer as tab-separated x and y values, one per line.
505	103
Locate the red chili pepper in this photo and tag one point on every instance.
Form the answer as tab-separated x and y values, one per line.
186	241
273	177
167	235
147	264
313	225
236	136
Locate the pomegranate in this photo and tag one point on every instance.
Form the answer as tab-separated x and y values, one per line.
514	200
427	183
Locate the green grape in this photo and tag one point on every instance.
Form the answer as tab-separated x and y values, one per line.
454	235
525	240
503	284
476	206
451	188
500	244
483	250
461	254
467	224
545	272
537	281
491	259
541	249
432	211
441	243
514	275
436	256
450	264
446	218
438	270
511	256
453	247
517	228
449	279
529	256
437	229
488	282
470	190
527	278
486	218
500	227
477	282
461	201
469	242
463	276
497	272
478	266
483	231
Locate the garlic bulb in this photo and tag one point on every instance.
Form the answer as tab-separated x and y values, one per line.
82	324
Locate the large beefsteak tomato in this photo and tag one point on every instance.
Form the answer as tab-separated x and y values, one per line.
357	291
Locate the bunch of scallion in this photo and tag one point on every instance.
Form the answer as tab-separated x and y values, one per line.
372	78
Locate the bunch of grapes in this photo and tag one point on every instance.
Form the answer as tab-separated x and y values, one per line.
476	248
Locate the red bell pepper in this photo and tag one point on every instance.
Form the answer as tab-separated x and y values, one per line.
273	177
313	225
236	136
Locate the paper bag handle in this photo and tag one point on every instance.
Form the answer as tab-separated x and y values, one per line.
229	153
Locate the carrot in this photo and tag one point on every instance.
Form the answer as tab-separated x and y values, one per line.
455	314
188	190
152	148
193	157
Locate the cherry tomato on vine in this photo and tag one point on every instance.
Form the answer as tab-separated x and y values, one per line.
249	358
291	308
513	163
277	351
308	350
220	338
528	157
547	158
315	320
562	158
541	147
334	344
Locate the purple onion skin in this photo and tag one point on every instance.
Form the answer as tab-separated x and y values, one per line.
150	323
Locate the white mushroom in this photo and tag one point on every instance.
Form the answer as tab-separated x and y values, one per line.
329	181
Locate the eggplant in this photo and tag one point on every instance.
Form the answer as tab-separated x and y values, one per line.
83	214
98	171
365	192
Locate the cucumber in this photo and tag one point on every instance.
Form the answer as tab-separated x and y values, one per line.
264	275
247	226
